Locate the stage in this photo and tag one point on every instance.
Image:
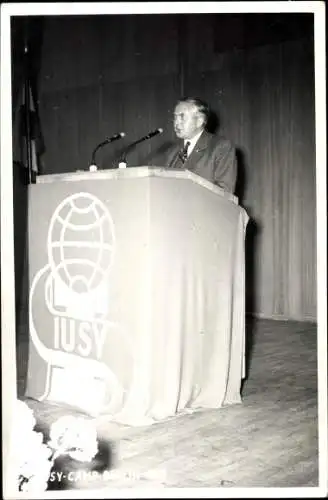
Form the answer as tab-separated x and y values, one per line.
268	441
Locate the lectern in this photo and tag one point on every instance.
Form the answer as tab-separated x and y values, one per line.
137	303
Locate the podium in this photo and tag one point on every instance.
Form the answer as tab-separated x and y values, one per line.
137	293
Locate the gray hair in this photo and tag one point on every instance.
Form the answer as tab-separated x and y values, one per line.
202	106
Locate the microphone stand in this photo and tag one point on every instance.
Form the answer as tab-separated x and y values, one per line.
93	157
123	162
93	166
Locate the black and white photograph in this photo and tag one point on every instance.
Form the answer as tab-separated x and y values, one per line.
163	250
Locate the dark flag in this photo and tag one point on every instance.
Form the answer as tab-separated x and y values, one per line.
29	131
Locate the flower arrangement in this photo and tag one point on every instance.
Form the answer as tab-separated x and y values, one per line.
33	459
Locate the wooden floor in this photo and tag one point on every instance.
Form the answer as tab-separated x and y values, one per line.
270	440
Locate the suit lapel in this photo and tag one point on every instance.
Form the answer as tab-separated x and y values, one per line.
171	160
200	146
198	151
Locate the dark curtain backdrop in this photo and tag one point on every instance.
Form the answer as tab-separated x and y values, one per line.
104	74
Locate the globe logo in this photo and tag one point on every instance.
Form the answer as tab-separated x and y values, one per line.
74	287
81	244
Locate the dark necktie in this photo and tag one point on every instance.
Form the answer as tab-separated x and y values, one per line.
181	157
184	153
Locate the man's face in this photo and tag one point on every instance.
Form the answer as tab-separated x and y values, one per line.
187	121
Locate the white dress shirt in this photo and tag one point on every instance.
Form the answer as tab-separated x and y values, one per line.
192	142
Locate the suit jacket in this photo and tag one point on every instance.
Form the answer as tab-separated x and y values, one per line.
213	158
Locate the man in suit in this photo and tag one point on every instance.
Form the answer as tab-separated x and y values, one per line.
209	156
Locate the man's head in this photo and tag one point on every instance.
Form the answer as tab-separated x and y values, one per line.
190	117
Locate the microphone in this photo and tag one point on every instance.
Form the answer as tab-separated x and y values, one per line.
122	163
152	134
115	137
93	167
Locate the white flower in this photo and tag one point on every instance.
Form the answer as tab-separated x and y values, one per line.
32	460
35	475
23	418
75	436
30	457
34	485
